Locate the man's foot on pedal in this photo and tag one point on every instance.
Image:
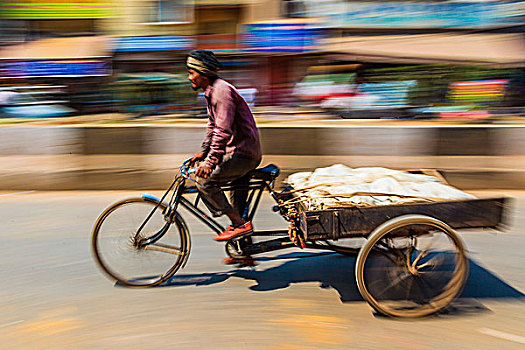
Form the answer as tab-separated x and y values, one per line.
248	261
234	232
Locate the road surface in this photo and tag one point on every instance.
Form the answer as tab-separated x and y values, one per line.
53	296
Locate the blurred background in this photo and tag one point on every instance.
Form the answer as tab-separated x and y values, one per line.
400	84
346	59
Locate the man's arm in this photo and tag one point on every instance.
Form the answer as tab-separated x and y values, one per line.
223	106
205	146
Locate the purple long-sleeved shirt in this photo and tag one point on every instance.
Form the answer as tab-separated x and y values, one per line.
231	127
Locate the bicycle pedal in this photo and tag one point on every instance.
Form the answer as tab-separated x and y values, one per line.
240	238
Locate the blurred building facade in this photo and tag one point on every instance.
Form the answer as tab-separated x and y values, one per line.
428	45
129	54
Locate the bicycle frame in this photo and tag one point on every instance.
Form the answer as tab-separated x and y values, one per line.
255	190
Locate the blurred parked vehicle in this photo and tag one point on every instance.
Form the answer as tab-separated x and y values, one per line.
315	89
28	105
376	100
342	94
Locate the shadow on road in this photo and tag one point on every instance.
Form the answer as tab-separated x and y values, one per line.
337	272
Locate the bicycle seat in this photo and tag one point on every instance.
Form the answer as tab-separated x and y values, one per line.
268	173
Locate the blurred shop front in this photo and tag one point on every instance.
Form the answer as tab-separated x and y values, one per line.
419	51
150	75
81	65
283	49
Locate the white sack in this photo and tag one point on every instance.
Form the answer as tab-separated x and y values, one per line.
339	186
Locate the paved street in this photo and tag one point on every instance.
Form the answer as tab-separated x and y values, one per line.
53	296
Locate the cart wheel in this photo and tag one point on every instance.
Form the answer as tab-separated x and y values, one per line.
411	266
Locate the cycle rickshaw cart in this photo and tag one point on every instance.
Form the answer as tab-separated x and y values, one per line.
412	262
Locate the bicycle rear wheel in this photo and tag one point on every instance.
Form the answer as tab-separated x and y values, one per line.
120	251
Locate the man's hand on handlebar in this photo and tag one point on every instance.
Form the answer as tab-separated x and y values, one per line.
203	172
196	158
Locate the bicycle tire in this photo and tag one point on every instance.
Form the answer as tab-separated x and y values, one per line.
117	255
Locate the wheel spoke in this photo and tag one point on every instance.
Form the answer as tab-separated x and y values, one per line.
409	288
387	253
419	256
439	264
159	247
423	265
392	284
438	276
422	289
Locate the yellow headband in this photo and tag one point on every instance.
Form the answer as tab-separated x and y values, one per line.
194	63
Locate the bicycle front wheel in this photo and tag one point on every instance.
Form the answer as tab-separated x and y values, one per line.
133	258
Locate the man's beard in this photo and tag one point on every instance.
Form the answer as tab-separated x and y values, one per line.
194	87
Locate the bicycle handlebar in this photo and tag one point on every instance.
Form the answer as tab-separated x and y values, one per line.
185	171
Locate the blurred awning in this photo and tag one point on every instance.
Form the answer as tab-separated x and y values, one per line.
501	50
59	48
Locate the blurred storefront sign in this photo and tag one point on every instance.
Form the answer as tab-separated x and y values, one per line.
47	9
80	47
293	36
478	91
340	13
56	68
154	43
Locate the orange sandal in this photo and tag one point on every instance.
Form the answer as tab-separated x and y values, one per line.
234	232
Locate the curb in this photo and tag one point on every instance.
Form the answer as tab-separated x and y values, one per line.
146	157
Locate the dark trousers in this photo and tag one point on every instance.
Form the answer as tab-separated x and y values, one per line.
232	169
